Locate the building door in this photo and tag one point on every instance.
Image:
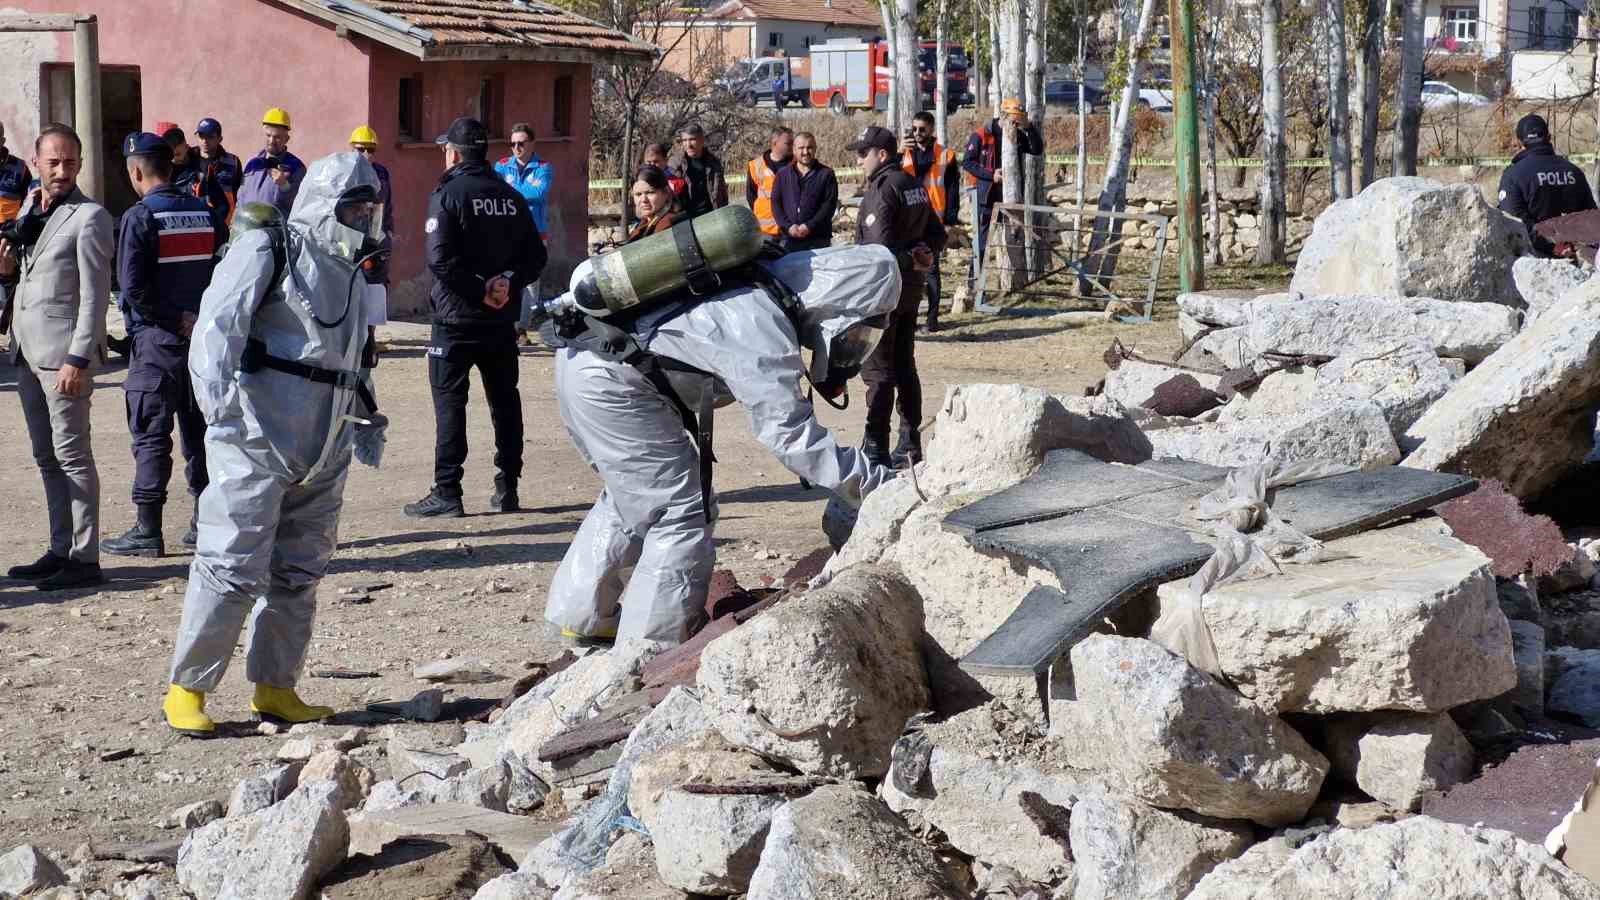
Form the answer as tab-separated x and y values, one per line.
121	112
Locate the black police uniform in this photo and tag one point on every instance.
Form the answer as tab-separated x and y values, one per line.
165	254
478	228
1541	184
895	212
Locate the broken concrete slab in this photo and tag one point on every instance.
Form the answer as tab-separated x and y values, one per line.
1175	738
1398	758
1323	637
1528	651
714	841
261	791
352	776
1403	379
1331	325
458	670
196	814
407	764
1221	350
516	836
629	871
1353	432
1543	283
1123	849
709	759
26	869
436	867
1135	382
841	842
515	886
278	853
1225	308
1525	416
853	653
1412	237
1418	859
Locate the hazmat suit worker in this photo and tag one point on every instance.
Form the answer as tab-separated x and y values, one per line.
275	361
656	511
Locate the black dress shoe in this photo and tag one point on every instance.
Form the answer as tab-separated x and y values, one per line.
73	575
435	506
47	565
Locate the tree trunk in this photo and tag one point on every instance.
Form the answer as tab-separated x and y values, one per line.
1082	176
1033	83
1013	188
1114	192
941	79
1270	249
629	118
1338	102
995	54
1369	70
1409	105
891	112
907	65
1214	212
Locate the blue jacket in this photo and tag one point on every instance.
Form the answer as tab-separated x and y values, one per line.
532	182
15	180
257	186
164	257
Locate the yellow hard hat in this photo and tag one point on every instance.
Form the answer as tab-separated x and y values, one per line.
276	116
1012	106
364	137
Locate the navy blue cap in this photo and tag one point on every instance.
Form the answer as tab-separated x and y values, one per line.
208	126
468	133
143	143
873	138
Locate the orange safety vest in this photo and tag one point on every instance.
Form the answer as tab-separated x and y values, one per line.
943	157
988	155
763	178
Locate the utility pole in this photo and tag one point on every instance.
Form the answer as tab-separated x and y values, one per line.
85	86
1186	135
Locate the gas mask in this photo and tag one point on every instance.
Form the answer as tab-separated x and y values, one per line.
359	229
841	358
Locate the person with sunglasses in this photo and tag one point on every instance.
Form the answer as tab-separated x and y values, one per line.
529	174
364	141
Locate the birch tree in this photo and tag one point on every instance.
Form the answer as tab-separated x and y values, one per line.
1273	212
1338	101
891	112
1013	184
1408	122
941	77
1369	69
1033	99
1114	192
1209	79
907	65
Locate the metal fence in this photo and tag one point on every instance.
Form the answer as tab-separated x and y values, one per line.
1104	258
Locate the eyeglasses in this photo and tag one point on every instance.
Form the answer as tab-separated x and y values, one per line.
366	151
520	143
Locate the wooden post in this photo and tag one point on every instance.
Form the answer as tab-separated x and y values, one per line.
86	105
1186	136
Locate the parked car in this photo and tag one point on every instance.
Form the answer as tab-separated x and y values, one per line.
1436	94
1064	92
1157	96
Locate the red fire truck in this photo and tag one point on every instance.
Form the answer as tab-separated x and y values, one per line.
848	75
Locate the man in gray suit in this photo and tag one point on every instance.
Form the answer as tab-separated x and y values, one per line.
60	260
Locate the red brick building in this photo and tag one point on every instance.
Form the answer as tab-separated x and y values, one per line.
406	67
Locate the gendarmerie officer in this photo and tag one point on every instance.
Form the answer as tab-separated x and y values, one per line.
165	253
483	249
896	213
1540	184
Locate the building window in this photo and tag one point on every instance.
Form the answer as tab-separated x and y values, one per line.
1569	29
1536	34
410	126
1461	22
561	115
491	94
775	39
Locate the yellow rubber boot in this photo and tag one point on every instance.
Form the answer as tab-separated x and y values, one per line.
284	705
602	636
186	712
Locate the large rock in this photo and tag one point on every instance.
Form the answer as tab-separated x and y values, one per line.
714	841
706	760
1402	379
1542	283
1527	648
261	791
514	886
1135	382
278	853
1420	858
1353	432
851	659
1399	757
352	776
1412	237
1574	677
1525	416
25	868
1000	793
839	843
1171	735
1334	325
628	872
1324	637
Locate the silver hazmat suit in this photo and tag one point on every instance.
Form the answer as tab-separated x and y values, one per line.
651	516
278	446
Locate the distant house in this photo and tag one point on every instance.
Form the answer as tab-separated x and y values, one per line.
700	41
1535	49
406	67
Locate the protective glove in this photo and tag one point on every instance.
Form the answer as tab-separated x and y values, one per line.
369	438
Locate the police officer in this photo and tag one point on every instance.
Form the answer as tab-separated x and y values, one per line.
165	253
1539	184
895	212
222	170
483	249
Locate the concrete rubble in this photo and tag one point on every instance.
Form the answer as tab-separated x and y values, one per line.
277	853
1542	283
26	869
1574	679
1398	757
258	792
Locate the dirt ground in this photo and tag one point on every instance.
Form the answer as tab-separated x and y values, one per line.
82	673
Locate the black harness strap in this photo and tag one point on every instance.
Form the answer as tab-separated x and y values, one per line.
257	358
701	279
699	425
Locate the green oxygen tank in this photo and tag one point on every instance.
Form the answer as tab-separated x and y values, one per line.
251	216
628	279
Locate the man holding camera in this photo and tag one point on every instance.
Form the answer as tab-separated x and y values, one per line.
483	249
273	175
58	254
